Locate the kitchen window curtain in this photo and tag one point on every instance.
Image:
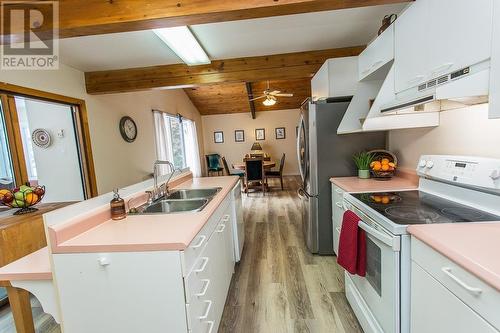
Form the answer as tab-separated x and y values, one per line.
191	144
162	139
186	145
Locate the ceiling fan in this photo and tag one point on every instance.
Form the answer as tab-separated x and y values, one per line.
270	96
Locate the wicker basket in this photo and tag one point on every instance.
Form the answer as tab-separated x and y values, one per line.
379	154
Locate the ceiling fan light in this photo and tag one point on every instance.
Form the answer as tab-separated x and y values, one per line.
269	102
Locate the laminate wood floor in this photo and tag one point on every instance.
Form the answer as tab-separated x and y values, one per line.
279	286
44	323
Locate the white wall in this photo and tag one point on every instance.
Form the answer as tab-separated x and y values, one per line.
466	131
117	163
235	151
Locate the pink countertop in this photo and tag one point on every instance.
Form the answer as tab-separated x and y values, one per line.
149	232
474	246
34	266
402	181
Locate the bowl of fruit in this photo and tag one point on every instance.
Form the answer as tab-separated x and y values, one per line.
383	165
23	197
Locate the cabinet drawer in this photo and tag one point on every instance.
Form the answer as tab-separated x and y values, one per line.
377	54
478	295
199	242
444	313
336	237
337	194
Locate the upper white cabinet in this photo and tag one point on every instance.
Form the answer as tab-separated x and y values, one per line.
410	39
494	107
461	34
377	54
337	77
435	37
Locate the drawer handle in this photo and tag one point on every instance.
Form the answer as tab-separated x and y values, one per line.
441	68
200	243
339	204
203	266
205	288
104	261
416	79
211	323
221	228
207	312
338	229
225	218
339	191
472	290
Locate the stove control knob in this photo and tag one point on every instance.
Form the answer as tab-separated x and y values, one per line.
495	175
429	164
422	163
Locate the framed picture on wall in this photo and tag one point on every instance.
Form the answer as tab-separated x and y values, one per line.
260	134
219	137
239	136
280	133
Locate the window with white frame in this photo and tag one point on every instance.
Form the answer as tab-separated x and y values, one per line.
176	141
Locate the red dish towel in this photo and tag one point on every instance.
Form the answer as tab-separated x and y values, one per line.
352	245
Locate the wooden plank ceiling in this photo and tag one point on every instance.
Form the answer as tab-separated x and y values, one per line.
221	87
233	98
92	17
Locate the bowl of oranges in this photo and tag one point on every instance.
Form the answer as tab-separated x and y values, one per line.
23	197
383	165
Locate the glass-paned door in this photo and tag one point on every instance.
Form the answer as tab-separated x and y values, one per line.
50	147
6	168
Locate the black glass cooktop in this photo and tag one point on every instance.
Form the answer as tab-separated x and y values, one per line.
416	207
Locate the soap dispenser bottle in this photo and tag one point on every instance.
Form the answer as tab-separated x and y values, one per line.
117	206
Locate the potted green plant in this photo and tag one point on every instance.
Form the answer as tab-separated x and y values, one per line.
362	161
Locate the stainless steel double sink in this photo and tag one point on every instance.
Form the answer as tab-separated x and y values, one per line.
179	201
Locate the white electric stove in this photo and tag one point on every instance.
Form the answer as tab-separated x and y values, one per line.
452	189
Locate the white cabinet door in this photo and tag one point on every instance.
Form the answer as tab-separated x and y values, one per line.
411	38
460	34
124	292
222	269
377	54
338	214
337	77
494	106
435	309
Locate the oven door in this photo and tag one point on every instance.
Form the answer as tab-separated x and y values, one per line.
379	289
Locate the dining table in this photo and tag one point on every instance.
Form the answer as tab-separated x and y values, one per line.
267	165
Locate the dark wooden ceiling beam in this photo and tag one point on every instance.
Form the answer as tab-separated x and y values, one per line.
289	66
92	17
250	98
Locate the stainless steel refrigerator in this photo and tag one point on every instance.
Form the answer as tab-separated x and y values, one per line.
323	154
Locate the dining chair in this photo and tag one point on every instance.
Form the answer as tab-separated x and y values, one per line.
254	173
239	173
213	164
278	173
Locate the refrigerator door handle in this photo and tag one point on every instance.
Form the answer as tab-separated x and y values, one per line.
299	139
303	193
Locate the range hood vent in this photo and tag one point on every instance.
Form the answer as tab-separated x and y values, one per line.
464	87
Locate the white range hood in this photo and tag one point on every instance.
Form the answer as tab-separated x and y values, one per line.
376	107
468	86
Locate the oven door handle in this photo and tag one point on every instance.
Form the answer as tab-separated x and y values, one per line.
386	239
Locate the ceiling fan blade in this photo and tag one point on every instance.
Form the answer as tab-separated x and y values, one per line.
274	92
256	98
284	95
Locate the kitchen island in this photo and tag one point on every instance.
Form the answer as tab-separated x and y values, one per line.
154	273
